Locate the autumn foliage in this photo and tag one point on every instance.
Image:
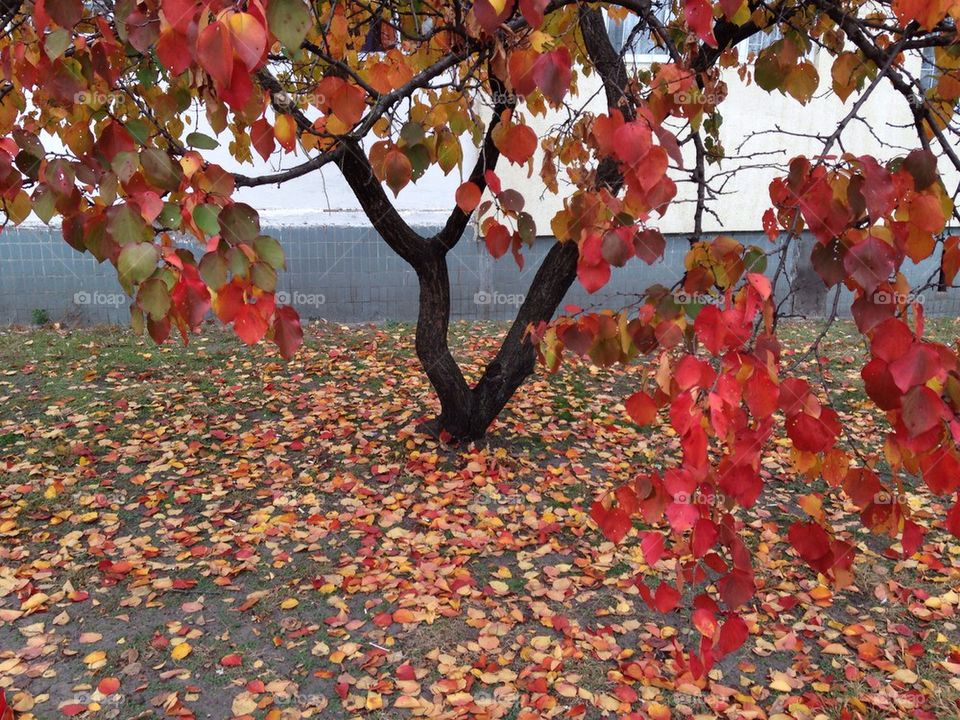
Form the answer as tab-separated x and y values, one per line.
94	135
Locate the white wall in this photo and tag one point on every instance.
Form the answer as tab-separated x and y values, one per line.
748	109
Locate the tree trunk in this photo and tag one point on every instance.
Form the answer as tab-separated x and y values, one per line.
465	412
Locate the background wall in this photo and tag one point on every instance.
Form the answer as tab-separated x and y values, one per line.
348	274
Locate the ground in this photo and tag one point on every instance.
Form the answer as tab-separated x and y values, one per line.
209	531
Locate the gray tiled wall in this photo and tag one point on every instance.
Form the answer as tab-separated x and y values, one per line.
345	274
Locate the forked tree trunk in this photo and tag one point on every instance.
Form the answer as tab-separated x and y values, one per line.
465	412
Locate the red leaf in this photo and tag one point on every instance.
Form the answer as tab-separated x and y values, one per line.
705	536
250	325
651	545
262	137
641	408
108	686
232	660
941	471
649	245
736	587
812	543
614	522
666	598
532	11
704	621
552	73
287	332
179	13
173	51
733	634
743	484
950	261
699	17
710	329
952	522
919	364
487	15
593	277
912	537
879	384
813	434
760	283
891	340
397	170
237	94
493	181
215	53
922	410
870	263
878	188
497	239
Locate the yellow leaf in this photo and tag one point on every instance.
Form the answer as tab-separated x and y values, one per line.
34	600
95	658
243	704
289	603
181	651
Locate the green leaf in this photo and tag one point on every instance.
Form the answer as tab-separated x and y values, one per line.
170	216
264	276
154	298
213	270
160	170
139	129
201	141
270	251
205	216
126	226
766	70
239	263
239	223
56	43
289	21
136	263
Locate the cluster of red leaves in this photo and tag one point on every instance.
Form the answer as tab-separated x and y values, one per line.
723	399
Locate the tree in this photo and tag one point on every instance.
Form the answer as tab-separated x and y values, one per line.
397	87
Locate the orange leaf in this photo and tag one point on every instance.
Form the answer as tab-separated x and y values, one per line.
468	197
